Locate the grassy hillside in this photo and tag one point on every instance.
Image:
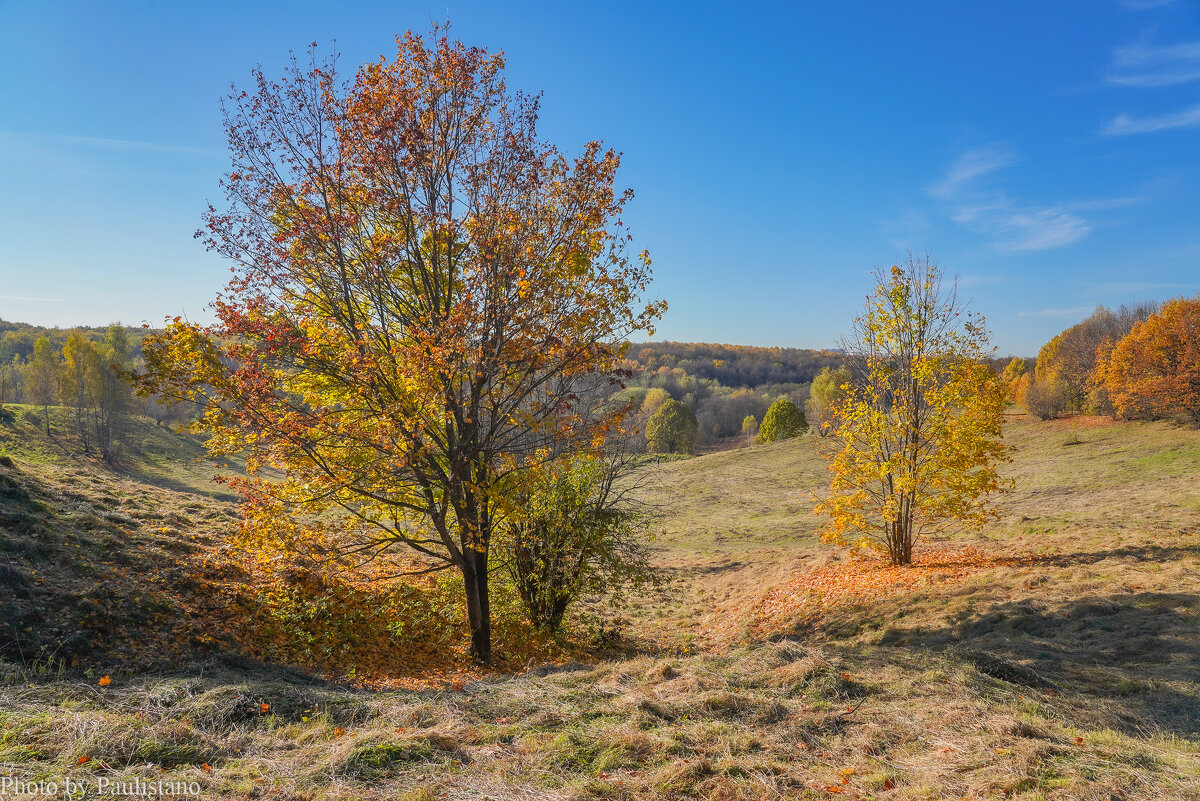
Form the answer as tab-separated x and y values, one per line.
1056	657
156	455
104	564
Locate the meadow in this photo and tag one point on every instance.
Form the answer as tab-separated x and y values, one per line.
1055	656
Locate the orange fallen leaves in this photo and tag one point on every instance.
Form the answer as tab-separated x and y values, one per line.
868	578
83	760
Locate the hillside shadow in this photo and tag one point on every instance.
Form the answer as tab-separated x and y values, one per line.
143	476
1138	553
1140	652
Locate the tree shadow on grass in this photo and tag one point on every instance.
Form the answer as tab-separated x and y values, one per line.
1136	553
143	476
1138	653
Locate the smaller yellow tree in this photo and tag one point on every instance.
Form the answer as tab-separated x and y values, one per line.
916	436
749	428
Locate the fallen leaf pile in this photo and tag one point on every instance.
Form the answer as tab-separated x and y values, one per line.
812	595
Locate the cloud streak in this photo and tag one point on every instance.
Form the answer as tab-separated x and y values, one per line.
1012	225
1074	311
1125	124
1145	65
974	164
131	145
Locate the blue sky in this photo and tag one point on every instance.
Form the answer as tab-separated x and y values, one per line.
1046	153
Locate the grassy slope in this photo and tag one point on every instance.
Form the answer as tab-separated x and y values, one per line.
1066	664
103	564
150	454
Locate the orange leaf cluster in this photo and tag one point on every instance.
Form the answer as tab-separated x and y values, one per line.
1155	370
812	595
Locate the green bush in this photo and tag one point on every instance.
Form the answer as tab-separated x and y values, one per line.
672	429
577	534
783	420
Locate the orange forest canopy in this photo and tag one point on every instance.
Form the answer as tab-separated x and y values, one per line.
423	307
1155	371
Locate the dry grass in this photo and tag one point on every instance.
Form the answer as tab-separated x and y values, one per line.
772	720
1063	663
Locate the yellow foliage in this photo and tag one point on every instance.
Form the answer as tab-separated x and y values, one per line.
917	438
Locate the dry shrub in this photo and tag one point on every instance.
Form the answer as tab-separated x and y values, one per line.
798	674
680	775
120	739
739	706
663	671
372	760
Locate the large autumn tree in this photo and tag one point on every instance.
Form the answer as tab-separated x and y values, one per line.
422	289
1065	364
916	435
1155	370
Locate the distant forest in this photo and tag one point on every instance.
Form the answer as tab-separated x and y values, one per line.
17	339
734	365
721	385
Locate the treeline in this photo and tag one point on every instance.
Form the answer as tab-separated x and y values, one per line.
80	370
1139	362
17	339
734	365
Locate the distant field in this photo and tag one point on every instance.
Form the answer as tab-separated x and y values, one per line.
1057	656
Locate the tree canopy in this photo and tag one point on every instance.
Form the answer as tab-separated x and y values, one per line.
671	429
783	420
917	440
1155	370
423	292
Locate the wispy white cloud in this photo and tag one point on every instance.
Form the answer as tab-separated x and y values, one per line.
132	144
1128	287
1040	228
1107	203
106	143
1125	124
974	164
1143	53
1153	80
981	280
1144	5
31	300
1012	225
1075	311
1147	65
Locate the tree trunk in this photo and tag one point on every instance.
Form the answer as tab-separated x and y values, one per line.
479	614
900	544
